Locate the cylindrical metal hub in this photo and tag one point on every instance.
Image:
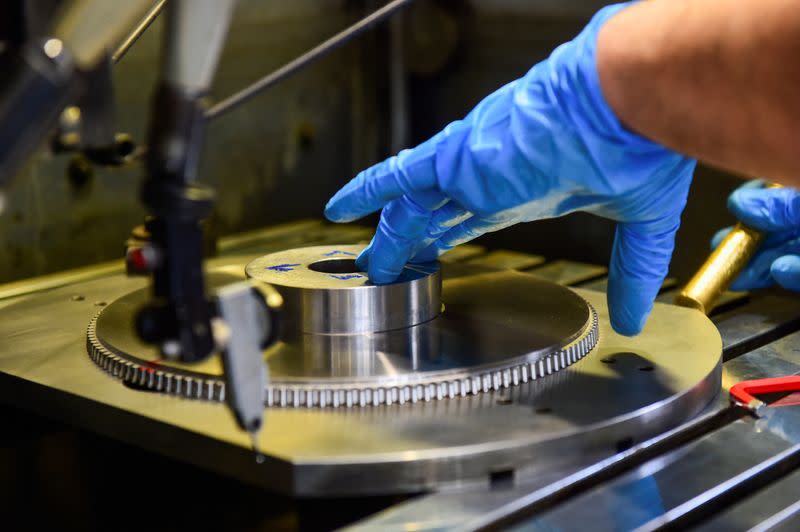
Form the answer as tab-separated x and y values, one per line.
324	293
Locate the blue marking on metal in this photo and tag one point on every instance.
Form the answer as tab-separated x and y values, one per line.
338	252
282	267
347	277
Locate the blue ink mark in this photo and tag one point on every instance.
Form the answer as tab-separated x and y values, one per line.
283	267
347	277
338	252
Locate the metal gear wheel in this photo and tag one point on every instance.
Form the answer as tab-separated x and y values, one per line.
498	330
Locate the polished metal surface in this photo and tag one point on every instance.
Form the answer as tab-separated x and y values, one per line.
775	359
665	483
482	342
704	471
770	506
756	323
611	397
325	293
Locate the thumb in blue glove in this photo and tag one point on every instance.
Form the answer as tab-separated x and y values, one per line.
776	212
542	146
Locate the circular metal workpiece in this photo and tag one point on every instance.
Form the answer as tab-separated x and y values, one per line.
325	293
493	334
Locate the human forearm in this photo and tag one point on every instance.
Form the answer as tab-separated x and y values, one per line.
718	80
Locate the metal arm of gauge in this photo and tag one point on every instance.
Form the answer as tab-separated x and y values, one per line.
138	31
196	31
194	36
307	58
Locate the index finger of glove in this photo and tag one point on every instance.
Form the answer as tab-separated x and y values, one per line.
407	172
402	226
639	262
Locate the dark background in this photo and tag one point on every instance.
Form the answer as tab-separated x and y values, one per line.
281	156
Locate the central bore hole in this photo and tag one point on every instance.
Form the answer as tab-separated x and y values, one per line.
335	266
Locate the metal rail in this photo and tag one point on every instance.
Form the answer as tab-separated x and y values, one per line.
308	57
137	32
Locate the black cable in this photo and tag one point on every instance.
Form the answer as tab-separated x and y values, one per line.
310	56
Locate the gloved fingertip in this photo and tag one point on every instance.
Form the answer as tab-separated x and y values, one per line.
765	209
786	264
386	261
629	305
741	196
382	275
747	203
786	272
639	263
362	195
331	212
627	325
362	261
333	208
630	300
335	213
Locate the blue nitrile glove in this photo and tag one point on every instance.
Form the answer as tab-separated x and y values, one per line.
542	146
775	211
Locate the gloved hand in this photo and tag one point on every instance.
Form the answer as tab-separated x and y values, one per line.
776	211
542	146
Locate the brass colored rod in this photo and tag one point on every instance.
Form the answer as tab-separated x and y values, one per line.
721	268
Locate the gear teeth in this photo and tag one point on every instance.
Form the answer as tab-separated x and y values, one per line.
194	386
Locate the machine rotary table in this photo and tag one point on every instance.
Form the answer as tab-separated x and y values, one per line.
347	342
623	391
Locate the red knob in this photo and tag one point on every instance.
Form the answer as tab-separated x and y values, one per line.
141	260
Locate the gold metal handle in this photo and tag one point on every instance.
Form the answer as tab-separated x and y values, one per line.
721	268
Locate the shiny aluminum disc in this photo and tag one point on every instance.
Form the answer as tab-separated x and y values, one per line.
324	292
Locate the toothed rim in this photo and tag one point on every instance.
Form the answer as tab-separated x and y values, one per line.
185	384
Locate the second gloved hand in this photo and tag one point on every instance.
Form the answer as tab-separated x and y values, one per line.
542	146
776	212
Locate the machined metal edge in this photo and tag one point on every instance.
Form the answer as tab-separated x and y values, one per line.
210	388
